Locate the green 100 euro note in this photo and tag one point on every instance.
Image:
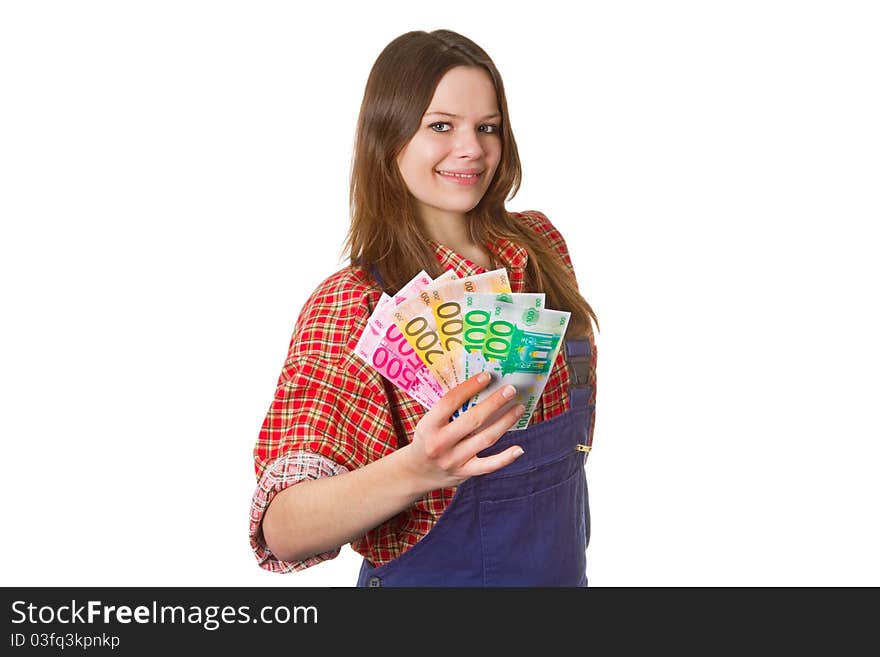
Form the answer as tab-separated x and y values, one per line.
530	299
515	342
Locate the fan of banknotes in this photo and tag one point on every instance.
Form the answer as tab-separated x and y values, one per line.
434	334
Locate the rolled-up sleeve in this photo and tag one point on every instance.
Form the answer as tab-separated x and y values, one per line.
329	414
290	469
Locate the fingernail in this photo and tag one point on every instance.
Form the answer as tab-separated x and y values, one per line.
482	377
518	452
520	409
509	391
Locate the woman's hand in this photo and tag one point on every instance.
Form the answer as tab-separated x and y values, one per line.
444	454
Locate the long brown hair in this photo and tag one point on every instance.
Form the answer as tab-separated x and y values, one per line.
385	228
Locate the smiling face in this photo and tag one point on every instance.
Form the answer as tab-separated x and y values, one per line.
459	134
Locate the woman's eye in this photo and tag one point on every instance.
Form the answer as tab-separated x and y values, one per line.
492	128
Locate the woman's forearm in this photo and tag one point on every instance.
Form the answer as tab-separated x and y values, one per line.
314	516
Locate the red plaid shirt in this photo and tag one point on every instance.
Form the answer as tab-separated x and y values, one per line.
332	413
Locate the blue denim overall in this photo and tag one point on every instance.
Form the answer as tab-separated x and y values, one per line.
526	524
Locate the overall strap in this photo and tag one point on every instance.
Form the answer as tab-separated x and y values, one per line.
374	270
578	356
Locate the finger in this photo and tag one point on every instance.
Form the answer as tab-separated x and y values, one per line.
473	419
468	448
453	400
488	464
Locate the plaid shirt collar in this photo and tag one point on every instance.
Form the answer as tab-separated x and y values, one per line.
510	255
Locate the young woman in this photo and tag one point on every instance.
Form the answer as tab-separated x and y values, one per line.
346	457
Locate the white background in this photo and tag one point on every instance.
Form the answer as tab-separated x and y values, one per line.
173	185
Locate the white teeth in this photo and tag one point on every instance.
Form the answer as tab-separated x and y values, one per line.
459	175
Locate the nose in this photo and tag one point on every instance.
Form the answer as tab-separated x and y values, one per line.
467	144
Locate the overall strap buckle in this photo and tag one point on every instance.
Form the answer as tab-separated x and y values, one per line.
578	356
578	371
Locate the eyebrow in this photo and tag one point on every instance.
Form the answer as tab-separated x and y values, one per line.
456	116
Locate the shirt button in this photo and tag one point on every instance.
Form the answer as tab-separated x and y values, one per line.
375	581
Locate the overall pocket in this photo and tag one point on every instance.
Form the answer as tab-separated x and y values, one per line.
538	539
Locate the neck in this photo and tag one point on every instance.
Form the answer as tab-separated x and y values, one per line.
451	230
448	228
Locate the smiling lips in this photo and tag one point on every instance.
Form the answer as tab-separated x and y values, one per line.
461	177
